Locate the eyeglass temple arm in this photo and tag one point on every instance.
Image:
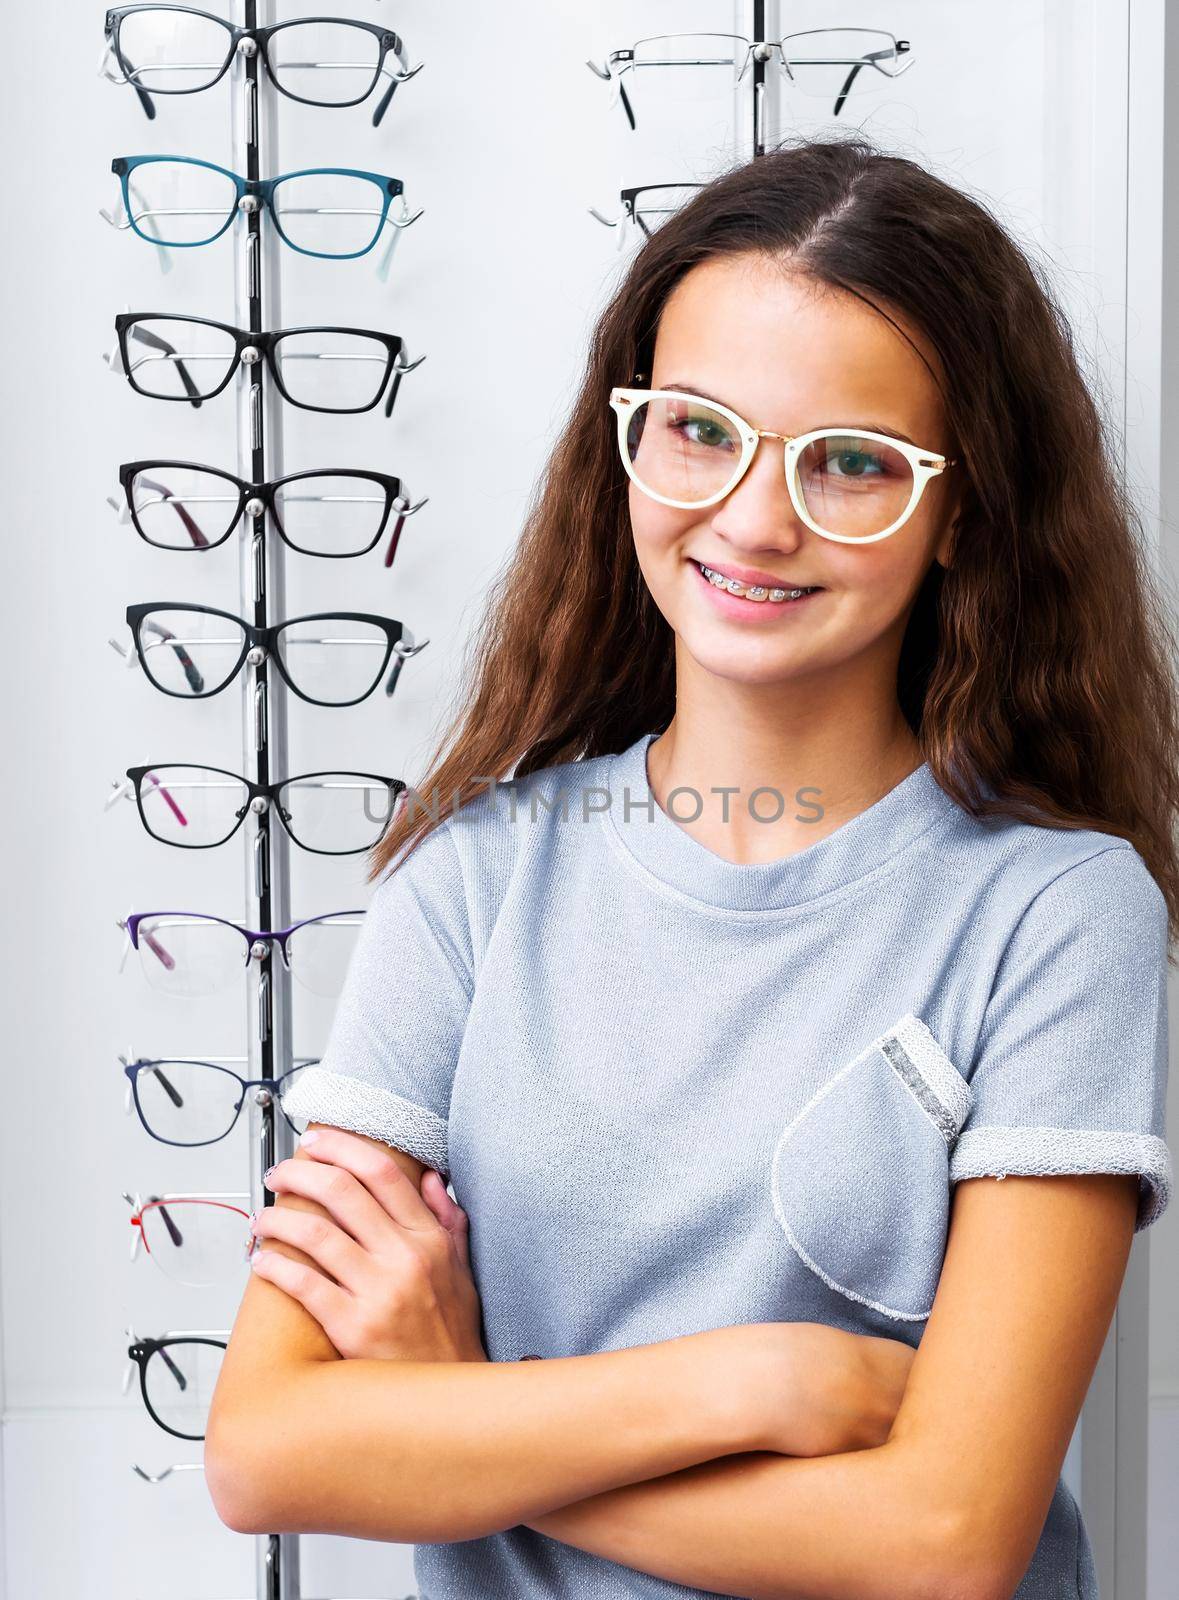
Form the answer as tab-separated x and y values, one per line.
188	666
137	1207
402	650
104	66
406	73
386	258
400	368
155	342
168	1087
608	75
841	97
131	656
186	517
403	510
870	59
169	799
146	216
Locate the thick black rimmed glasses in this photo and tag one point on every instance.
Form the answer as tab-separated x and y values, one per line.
197	807
319	368
319	61
193	651
336	513
177	1376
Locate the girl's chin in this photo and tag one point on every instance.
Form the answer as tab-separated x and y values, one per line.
756	662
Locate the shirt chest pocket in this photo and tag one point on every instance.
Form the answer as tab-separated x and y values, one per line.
860	1177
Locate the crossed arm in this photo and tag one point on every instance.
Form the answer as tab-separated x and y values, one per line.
628	1455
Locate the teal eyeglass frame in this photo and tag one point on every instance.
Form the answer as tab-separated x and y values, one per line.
261	192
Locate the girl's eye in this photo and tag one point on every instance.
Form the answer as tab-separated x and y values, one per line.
854	464
703	431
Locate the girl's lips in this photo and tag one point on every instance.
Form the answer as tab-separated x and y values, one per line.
737	606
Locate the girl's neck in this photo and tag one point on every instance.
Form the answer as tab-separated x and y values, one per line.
717	778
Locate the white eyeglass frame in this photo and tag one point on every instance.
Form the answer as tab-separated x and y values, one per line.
925	464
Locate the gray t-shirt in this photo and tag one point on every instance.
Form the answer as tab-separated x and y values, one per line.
675	1092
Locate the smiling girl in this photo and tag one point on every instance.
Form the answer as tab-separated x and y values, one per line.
801	862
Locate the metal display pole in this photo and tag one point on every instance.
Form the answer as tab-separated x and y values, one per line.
257	302
759	78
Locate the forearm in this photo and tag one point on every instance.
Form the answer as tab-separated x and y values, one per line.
429	1452
864	1525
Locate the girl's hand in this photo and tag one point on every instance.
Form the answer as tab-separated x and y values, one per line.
395	1282
807	1389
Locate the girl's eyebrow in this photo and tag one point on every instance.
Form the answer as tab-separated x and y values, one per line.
868	427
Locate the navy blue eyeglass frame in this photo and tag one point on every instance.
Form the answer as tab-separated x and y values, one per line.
261	189
132	1069
386	39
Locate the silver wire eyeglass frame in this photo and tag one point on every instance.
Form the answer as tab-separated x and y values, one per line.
925	464
620	62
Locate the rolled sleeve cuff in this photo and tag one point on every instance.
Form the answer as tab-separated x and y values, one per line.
996	1152
318	1095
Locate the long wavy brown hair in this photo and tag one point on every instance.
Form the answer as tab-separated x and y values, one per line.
1039	667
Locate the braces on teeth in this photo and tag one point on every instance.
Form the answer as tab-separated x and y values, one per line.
752	591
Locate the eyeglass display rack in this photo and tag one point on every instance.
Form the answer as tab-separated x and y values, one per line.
254	109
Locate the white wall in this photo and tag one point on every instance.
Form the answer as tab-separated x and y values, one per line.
505	138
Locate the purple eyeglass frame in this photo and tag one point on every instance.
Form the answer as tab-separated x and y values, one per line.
250	935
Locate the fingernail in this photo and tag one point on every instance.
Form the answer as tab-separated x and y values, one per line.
256	1257
310	1136
266	1174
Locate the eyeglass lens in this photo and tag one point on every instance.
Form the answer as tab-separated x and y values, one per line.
692	66
331	514
830	62
330	214
176	358
196	1242
194	1102
325	63
178	1383
686	450
173	51
331	370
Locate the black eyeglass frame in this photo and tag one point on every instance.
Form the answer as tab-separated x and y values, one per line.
629	198
141	1353
267	639
269	792
128	325
393	489
386	38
